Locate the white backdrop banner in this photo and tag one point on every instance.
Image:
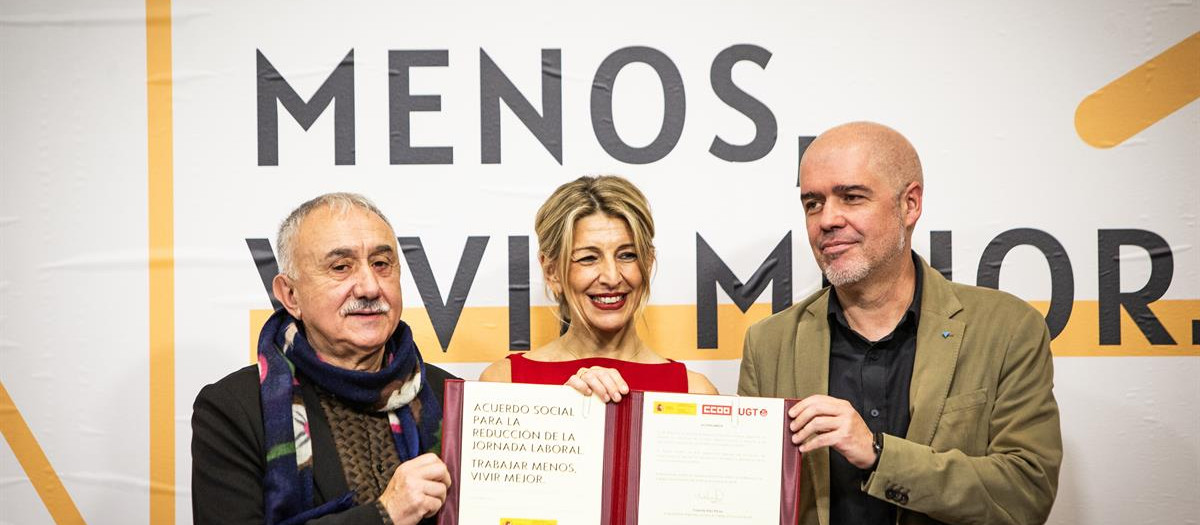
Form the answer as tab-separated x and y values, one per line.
1060	146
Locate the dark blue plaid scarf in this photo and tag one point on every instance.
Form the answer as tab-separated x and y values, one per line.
282	350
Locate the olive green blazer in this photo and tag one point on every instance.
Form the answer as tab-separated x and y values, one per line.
983	445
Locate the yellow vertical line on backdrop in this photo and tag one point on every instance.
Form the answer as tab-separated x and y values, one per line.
161	230
29	454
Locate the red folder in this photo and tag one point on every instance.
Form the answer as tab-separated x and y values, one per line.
622	460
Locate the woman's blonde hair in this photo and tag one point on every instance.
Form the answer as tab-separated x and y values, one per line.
582	197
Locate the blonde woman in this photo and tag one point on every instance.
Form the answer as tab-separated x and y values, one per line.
595	246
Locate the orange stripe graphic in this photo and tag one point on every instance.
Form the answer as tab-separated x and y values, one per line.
161	215
29	454
1141	97
1081	337
482	332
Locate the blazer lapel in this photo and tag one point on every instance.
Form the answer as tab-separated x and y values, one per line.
812	350
812	377
938	339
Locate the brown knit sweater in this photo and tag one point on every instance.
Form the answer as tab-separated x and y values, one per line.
366	448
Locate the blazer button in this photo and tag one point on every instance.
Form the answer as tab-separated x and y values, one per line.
891	494
903	499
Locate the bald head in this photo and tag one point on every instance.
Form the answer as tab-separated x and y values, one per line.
862	189
884	151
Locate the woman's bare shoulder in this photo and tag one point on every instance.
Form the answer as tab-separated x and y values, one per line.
699	384
498	372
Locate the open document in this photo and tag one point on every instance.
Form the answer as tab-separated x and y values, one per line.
546	455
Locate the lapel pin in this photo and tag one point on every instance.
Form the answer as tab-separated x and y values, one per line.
945	335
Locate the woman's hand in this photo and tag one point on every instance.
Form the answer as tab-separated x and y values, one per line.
606	383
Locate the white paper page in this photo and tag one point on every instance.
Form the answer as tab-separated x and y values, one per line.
532	455
710	459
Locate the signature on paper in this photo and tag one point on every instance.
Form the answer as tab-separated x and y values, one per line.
712	495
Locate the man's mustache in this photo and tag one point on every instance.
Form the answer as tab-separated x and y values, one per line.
365	306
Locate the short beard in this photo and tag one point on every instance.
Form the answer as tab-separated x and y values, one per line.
851	275
857	272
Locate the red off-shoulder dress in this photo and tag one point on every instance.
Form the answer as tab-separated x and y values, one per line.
658	377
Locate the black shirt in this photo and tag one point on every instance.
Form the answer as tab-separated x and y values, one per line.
874	376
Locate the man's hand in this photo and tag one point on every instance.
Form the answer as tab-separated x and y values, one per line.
417	489
822	421
606	383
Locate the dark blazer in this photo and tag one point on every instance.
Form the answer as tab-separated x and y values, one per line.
984	444
228	454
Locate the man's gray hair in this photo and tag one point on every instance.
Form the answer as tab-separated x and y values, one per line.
337	202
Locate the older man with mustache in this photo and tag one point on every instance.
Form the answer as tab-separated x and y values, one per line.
924	401
339	420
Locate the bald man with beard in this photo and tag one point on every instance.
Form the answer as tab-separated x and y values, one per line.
922	400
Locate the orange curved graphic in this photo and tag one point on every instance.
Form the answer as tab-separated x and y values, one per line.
1141	97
